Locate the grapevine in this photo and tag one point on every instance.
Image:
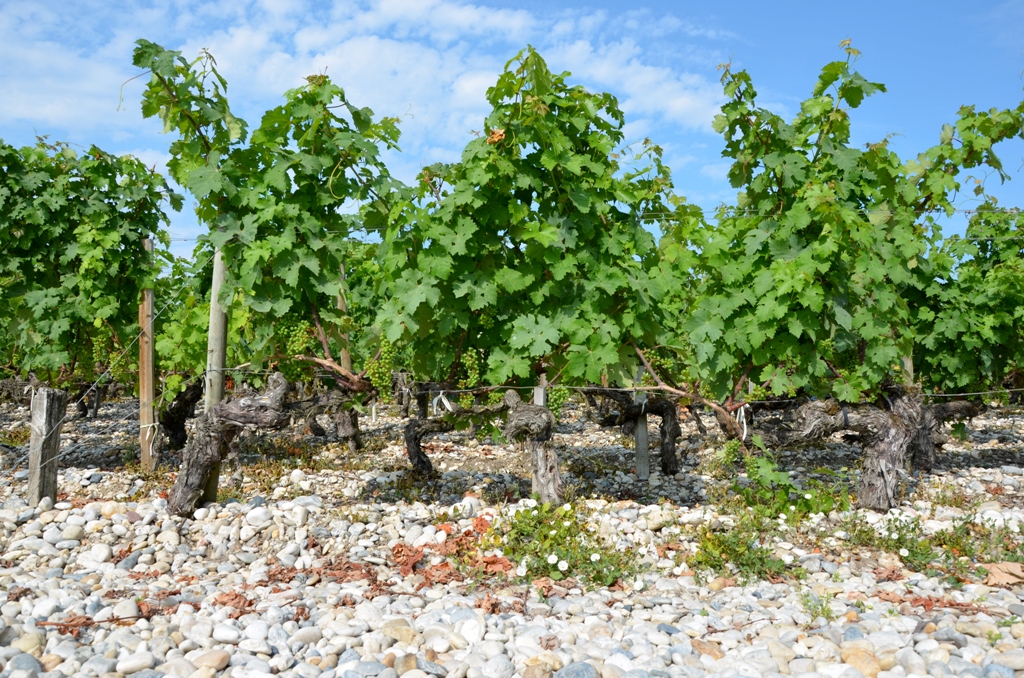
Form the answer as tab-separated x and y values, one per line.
471	363
104	356
379	370
295	337
557	397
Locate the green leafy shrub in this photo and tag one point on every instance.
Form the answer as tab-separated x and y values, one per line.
741	547
817	607
547	541
773	494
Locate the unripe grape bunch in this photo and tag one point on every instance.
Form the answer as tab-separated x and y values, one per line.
294	336
471	363
556	397
379	370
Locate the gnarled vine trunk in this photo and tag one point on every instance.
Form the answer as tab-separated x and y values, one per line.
401	388
532	426
894	432
932	418
214	431
630	412
886	431
181	409
415	431
346	424
418	429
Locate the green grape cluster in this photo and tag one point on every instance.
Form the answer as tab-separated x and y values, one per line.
661	366
379	370
471	363
758	393
556	397
494	397
294	336
104	355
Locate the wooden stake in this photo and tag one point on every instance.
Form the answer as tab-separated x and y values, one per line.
48	407
216	354
216	342
147	386
643	456
346	356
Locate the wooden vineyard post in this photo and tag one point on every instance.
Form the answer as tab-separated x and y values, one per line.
216	342
540	395
48	407
643	456
216	356
346	356
147	390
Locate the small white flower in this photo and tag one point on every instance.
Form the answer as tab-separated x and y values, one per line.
594	557
638	584
904	552
807	496
552	559
567	524
563	566
567	507
782	516
534	513
554	532
792	508
521	570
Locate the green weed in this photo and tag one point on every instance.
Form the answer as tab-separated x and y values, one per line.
742	548
554	541
772	493
16	437
817	607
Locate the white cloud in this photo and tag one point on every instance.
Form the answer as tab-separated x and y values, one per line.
716	170
428	62
685	99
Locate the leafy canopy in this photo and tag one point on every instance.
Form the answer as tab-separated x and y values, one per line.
73	258
532	249
804	282
280	207
969	313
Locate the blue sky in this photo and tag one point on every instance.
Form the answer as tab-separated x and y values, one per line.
430	61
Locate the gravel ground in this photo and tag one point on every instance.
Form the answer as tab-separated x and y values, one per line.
298	572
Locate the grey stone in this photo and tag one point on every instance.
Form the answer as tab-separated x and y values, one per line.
574	670
948	635
852	633
97	666
994	670
962	667
307	670
431	668
24	662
